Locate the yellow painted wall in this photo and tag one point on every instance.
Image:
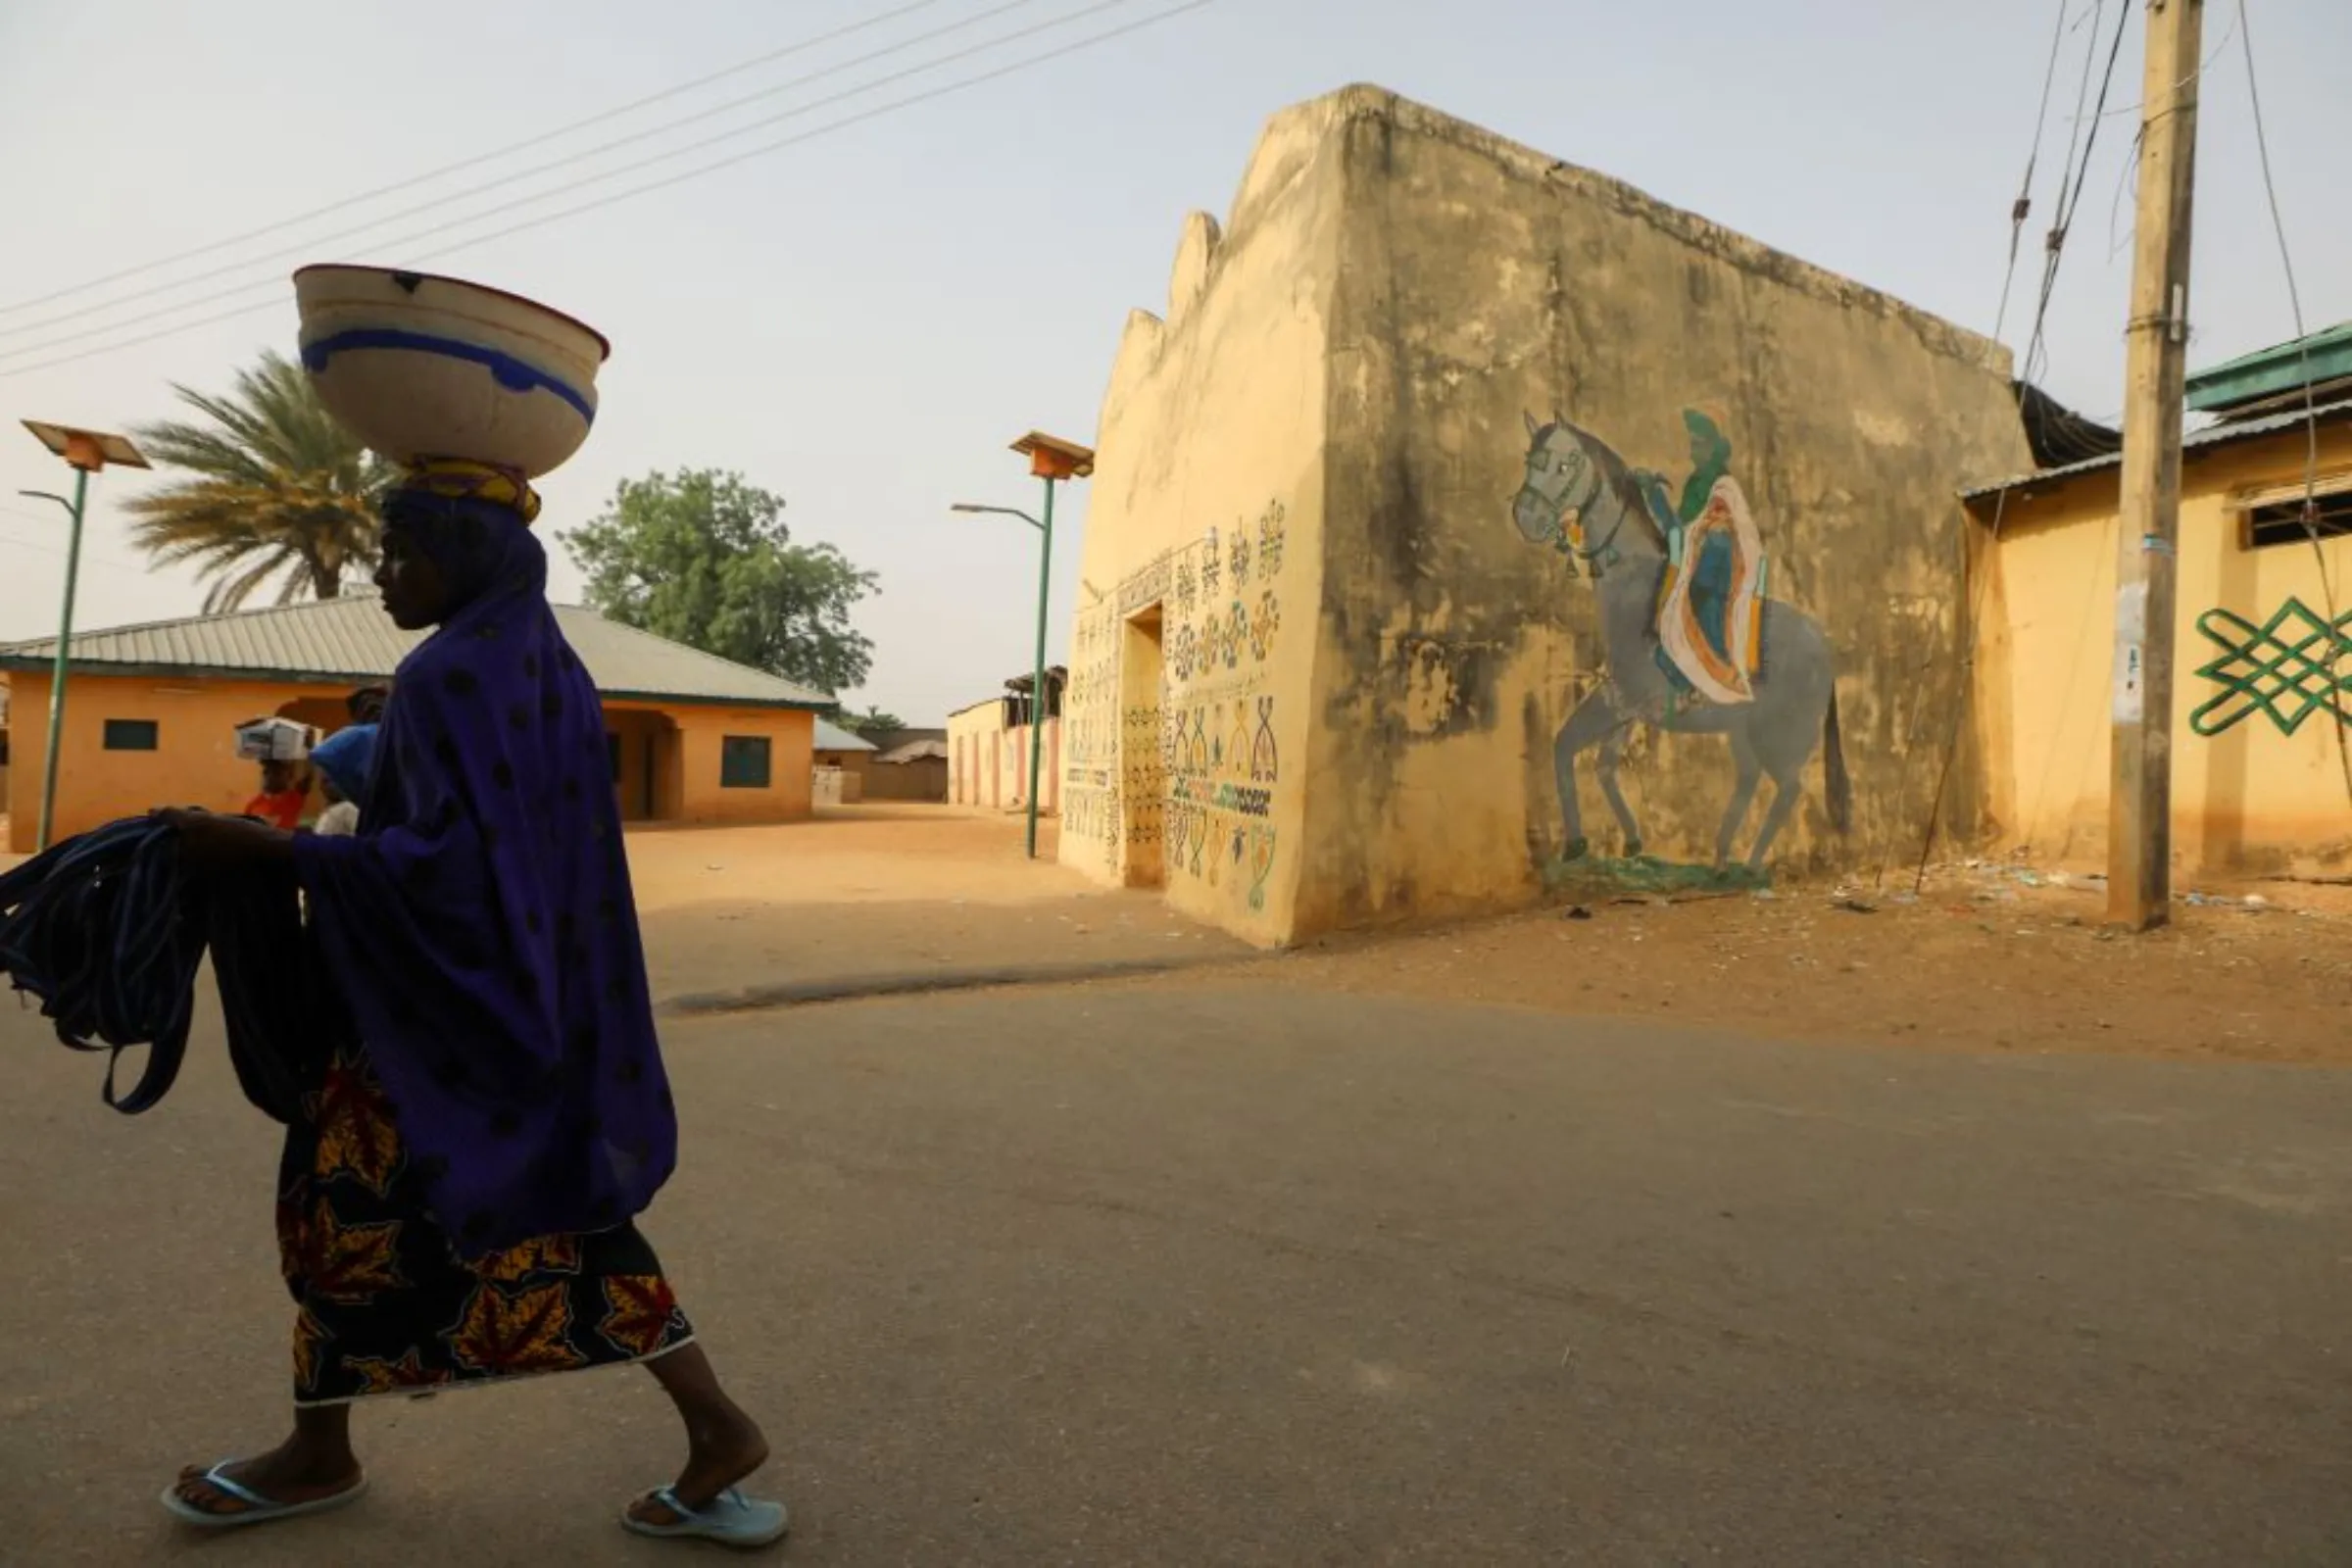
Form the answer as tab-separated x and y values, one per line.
195	763
1345	371
1487	286
1191	659
995	760
2248	799
791	754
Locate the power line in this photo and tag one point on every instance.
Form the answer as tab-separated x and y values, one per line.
2071	178
18	513
311	247
2024	206
2174	91
478	159
441	202
2070	199
910	101
2311	415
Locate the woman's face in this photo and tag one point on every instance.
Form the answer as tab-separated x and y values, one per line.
416	594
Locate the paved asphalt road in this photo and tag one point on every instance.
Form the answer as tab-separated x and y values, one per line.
1200	1273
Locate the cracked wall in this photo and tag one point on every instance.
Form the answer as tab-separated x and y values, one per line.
1563	472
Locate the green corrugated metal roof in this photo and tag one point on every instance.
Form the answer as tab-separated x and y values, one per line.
2318	359
352	639
2213	436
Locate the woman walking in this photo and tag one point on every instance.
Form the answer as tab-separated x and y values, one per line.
490	1112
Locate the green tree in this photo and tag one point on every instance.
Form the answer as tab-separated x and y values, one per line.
873	721
704	558
273	487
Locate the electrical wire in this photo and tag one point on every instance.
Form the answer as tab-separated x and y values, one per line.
476	160
2311	414
911	100
2209	61
2024	206
313	246
441	202
2036	355
2072	177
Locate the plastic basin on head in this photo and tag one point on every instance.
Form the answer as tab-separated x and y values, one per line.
424	366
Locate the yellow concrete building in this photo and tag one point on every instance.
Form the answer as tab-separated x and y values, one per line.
2262	755
151	711
1389	607
988	747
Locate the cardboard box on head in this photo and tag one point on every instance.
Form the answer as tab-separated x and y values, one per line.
274	740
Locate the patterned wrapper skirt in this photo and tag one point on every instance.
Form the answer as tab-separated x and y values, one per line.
383	1303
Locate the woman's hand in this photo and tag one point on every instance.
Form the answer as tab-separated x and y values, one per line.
209	845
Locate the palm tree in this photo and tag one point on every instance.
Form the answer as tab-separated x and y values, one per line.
276	488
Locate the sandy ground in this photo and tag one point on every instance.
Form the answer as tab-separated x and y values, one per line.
881	889
1981	961
1986	957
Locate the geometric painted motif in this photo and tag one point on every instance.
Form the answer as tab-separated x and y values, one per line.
2286	670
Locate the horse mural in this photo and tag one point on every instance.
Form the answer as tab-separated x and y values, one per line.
1692	646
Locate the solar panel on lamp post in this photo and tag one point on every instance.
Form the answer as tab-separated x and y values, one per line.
1052	460
85	452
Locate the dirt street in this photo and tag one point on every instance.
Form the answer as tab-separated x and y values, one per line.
1981	961
881	889
1803	1229
1989	957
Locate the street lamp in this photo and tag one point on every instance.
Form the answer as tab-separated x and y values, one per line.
1051	460
85	452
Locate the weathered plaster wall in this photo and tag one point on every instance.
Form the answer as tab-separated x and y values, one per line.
2256	787
1191	657
1480	285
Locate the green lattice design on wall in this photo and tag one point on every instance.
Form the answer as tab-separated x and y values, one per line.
2287	668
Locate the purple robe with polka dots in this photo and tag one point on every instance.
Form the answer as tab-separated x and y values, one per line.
482	929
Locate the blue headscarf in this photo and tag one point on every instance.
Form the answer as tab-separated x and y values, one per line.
481	924
345	757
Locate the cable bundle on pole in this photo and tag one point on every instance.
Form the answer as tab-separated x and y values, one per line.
108	933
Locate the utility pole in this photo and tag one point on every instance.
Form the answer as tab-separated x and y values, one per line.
2140	820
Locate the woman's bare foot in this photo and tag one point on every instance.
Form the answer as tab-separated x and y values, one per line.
299	1469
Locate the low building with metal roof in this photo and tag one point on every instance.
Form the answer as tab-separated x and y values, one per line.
151	714
2262	684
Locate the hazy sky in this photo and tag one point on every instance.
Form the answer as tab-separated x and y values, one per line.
860	321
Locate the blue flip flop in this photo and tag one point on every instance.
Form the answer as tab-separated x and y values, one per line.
730	1519
258	1510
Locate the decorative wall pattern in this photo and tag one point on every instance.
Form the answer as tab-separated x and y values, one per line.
1185	782
2292	665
